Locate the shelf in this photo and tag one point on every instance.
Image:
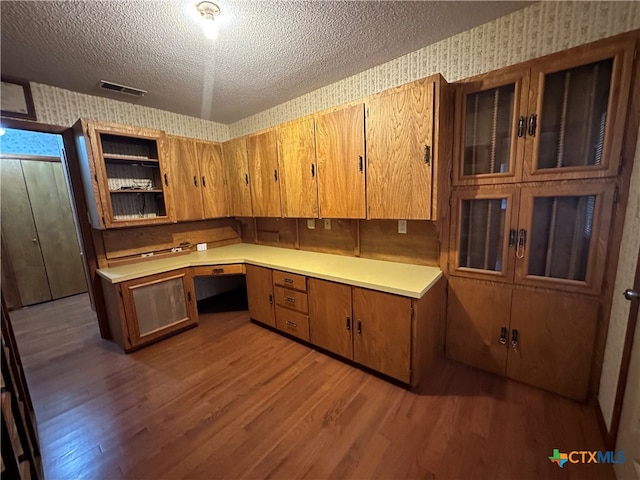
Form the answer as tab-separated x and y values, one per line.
137	190
129	159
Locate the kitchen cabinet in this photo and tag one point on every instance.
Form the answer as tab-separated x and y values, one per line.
553	118
330	317
551	235
539	337
297	166
400	152
198	179
260	294
125	174
291	304
341	163
147	309
236	168
262	154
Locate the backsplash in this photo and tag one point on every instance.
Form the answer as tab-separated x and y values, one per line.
57	106
537	30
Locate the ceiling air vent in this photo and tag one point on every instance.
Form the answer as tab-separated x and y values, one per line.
116	87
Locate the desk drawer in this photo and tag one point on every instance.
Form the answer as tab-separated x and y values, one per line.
291	299
290	280
294	323
215	270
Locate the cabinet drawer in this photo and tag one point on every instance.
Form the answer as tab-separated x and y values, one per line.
294	323
291	299
290	280
231	269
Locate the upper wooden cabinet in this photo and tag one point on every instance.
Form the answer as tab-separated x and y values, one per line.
263	173
341	163
297	166
236	169
400	152
198	180
125	174
554	118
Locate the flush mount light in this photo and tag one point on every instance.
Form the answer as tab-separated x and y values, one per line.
208	11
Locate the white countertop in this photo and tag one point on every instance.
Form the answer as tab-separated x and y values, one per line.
391	277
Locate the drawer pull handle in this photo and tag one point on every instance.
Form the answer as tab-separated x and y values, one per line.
288	280
218	270
290	299
293	324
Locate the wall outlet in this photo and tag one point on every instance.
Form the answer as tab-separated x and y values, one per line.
327	224
402	226
201	247
311	223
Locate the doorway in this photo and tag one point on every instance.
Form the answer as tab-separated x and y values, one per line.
41	256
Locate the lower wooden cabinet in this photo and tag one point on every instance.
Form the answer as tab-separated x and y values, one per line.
540	337
260	294
147	309
397	336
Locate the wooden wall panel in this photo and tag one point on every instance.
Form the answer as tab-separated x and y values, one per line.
135	241
341	239
277	232
380	239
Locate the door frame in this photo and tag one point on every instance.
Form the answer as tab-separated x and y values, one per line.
79	206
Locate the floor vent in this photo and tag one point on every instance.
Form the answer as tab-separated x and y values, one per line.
116	87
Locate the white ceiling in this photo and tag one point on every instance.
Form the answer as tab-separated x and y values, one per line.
266	52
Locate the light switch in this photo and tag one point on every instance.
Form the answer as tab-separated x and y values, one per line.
327	224
402	226
311	223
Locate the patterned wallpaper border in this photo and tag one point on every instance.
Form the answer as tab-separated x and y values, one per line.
534	31
57	106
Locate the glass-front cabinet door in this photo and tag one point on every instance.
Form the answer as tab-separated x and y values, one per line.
561	241
490	129
483	241
576	114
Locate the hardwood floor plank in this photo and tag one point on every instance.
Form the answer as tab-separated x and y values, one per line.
230	399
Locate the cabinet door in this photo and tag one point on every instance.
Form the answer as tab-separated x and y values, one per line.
562	236
478	317
158	305
260	295
340	154
263	172
330	322
297	162
577	113
490	128
237	178
399	146
183	158
483	238
382	337
211	179
554	335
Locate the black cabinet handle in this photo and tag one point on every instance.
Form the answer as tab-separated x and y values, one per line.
531	131
427	154
522	241
246	178
189	296
503	335
348	325
271	299
195	181
166	180
358	327
514	340
360	163
313	170
204	183
512	237
275	175
521	122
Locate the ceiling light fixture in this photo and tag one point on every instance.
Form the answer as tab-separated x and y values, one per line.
208	11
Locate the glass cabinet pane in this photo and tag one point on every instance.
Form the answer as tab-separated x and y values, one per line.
574	116
561	231
159	305
488	127
481	233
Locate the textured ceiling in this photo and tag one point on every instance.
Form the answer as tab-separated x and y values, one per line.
266	52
